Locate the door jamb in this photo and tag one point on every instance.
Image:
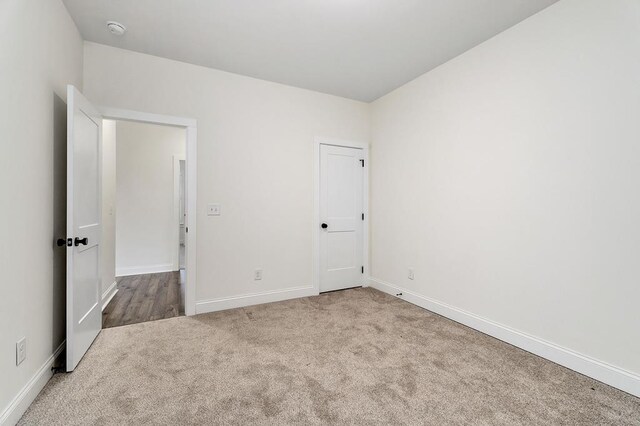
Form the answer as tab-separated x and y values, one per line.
176	209
191	187
319	140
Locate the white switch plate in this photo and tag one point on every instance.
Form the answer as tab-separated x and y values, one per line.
257	275
213	209
21	350
411	276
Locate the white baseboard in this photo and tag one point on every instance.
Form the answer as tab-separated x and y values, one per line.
606	373
17	407
146	269
253	299
108	294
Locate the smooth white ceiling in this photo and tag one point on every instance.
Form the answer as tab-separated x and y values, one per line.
359	49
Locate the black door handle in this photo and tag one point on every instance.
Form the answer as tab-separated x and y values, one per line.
84	241
60	242
324	226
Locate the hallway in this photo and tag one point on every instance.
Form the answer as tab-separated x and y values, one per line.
142	298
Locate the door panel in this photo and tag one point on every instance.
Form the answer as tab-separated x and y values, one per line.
341	189
341	250
341	207
84	139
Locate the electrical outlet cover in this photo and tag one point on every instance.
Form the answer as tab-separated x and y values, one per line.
21	350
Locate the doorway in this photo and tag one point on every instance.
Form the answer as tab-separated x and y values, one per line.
341	210
190	184
141	196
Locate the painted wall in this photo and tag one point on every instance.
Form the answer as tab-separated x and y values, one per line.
108	241
255	158
508	179
146	223
40	52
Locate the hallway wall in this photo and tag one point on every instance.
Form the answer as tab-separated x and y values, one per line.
147	233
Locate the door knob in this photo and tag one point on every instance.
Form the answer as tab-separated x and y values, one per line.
63	242
84	241
324	226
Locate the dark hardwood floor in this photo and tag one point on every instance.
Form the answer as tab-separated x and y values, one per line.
143	298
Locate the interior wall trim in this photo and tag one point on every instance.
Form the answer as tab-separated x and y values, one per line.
145	269
241	301
108	294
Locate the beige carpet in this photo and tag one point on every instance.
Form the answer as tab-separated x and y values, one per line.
351	357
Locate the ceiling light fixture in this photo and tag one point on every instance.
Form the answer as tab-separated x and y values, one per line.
116	28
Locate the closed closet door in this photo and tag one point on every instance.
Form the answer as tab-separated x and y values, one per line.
341	217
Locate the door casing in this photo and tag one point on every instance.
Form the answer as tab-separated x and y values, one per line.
191	185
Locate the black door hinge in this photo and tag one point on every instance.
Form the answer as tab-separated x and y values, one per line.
186	229
362	161
362	216
362	269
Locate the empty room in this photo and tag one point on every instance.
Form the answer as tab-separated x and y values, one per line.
320	212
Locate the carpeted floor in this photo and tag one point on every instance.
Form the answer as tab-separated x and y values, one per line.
352	357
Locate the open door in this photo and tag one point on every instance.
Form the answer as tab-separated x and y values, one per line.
84	225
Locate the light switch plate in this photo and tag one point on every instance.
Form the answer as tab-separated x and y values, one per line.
213	209
411	274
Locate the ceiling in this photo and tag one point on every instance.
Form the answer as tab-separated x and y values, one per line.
358	49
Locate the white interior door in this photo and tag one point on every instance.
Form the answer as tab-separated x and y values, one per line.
84	224
341	217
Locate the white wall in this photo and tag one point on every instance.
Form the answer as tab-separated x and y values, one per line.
40	52
255	158
146	224
108	243
508	178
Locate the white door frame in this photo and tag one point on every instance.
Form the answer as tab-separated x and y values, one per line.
191	187
319	140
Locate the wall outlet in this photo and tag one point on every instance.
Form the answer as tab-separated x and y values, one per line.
411	276
213	209
21	350
257	274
